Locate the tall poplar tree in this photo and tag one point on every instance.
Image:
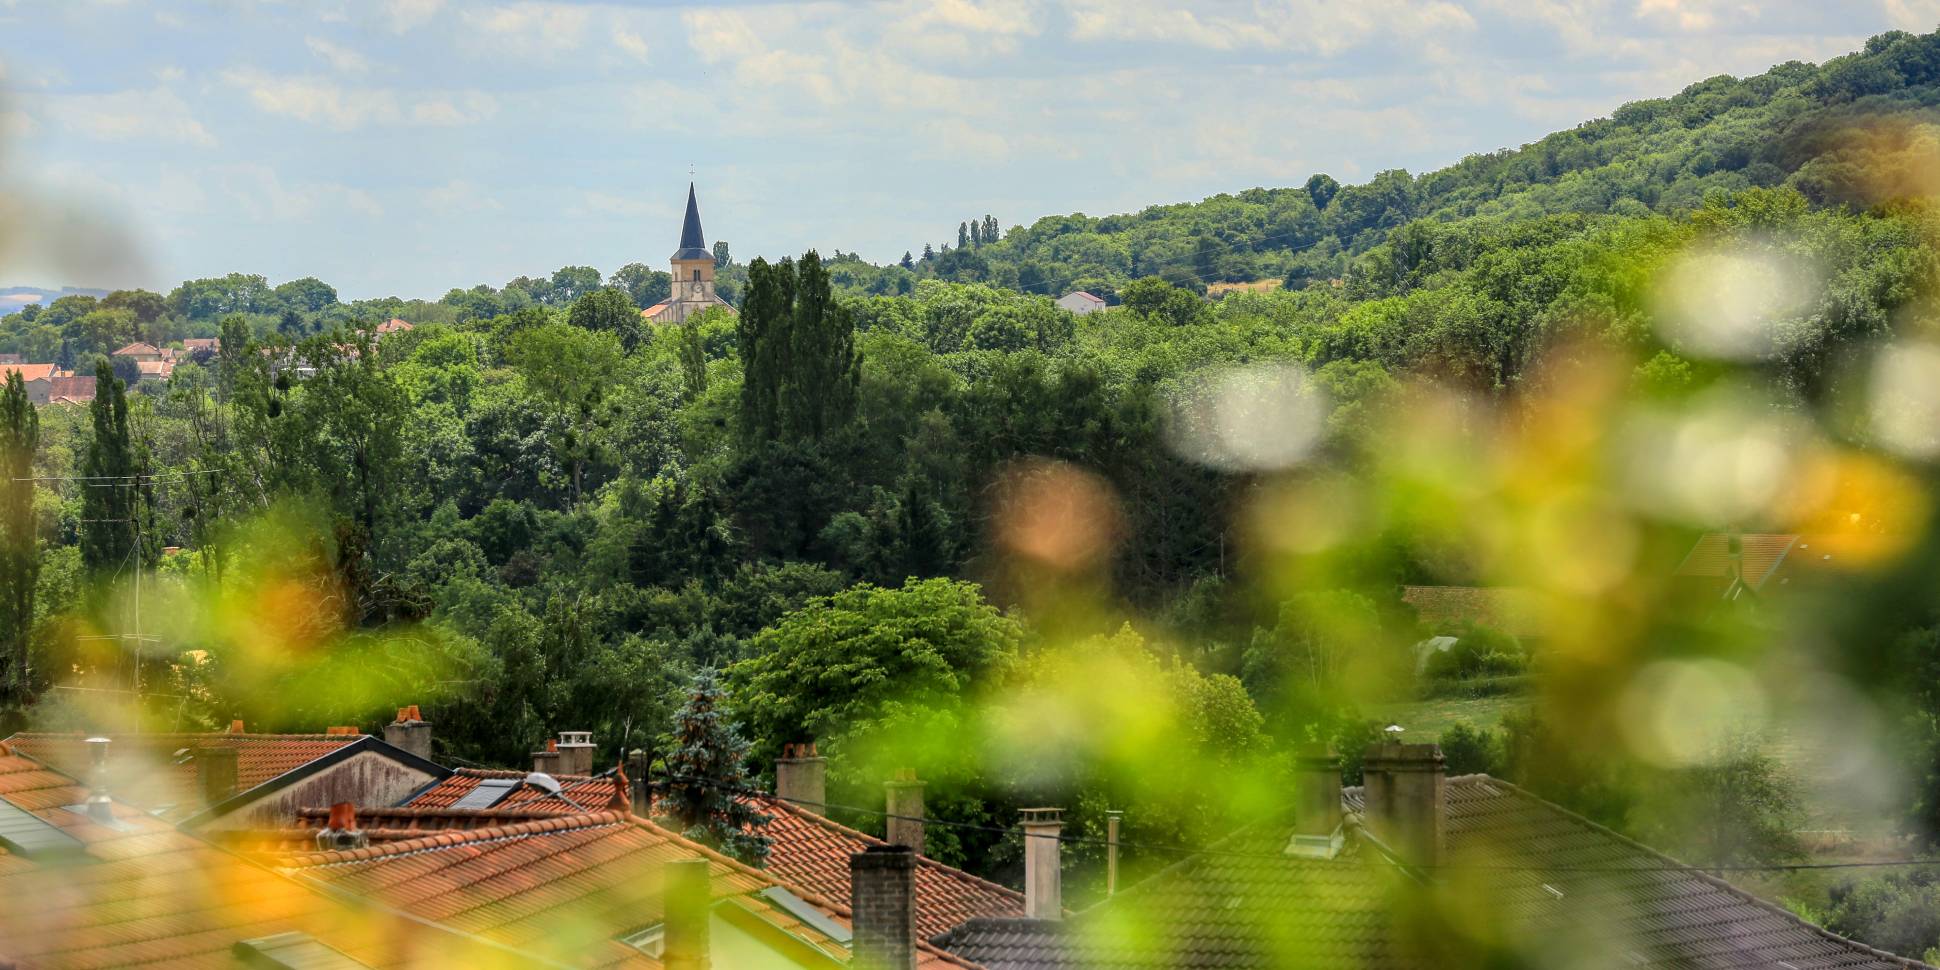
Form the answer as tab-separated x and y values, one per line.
798	354
114	493
19	547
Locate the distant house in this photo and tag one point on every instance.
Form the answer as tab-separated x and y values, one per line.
139	351
70	389
194	345
12	359
1081	303
391	326
39	379
1733	565
154	370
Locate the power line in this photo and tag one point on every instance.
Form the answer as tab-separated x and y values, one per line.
1242	854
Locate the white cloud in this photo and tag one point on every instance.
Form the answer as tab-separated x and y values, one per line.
460	196
322	101
529	28
342	58
169	74
407	14
631	44
157	114
1310	26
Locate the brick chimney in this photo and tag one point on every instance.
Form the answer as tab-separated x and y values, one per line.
905	797
1316	807
801	777
410	731
1043	875
576	752
1405	798
236	726
547	760
342	832
882	897
684	939
215	771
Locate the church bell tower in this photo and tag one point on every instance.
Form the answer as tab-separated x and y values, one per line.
693	265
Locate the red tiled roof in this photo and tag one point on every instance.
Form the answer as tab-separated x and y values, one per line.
564	887
393	325
71	387
155	771
1510	610
193	344
590	792
653	312
141	892
812	852
28	372
137	348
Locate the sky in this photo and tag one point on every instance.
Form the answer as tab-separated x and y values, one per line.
404	147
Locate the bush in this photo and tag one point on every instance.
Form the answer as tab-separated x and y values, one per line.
1898	912
1478	652
1470	750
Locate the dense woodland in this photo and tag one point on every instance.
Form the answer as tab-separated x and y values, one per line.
533	512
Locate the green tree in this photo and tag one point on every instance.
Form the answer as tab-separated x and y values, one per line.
147	307
1740	806
572	370
608	310
1157	300
873	664
643	285
990	229
721	259
309	294
569	283
1321	189
117	493
19	536
963	235
706	777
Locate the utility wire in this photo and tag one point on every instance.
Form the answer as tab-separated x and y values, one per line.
1242	854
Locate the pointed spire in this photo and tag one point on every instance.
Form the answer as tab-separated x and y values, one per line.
693	245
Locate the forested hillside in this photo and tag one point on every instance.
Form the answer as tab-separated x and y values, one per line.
880	496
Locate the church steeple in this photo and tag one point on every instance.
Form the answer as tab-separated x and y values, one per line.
693	245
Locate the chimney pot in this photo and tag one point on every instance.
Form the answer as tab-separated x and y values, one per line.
905	821
236	726
341	832
622	800
99	807
1405	798
882	897
685	938
801	778
1043	876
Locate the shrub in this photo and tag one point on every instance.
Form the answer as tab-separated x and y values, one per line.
1470	750
1898	912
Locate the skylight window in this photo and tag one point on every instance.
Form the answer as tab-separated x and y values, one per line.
799	908
489	792
651	941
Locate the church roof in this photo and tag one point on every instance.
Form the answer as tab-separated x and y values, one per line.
693	245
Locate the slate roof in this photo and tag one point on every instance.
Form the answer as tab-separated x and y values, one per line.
693	244
565	887
157	771
1547	886
812	852
141	892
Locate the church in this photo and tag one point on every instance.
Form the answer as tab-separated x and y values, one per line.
693	289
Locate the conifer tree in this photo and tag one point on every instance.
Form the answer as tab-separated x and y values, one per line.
928	253
112	507
720	253
907	262
976	234
705	775
963	234
991	232
19	548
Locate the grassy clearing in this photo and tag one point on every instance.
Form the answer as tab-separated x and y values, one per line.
1425	720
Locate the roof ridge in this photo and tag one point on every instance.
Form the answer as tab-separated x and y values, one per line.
174	735
1686	868
516	773
450	838
921	859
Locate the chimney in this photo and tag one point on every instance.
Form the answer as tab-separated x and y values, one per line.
684	935
410	731
637	762
99	807
236	726
801	777
905	811
1404	798
547	761
1042	877
882	897
342	831
215	769
1316	807
575	752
